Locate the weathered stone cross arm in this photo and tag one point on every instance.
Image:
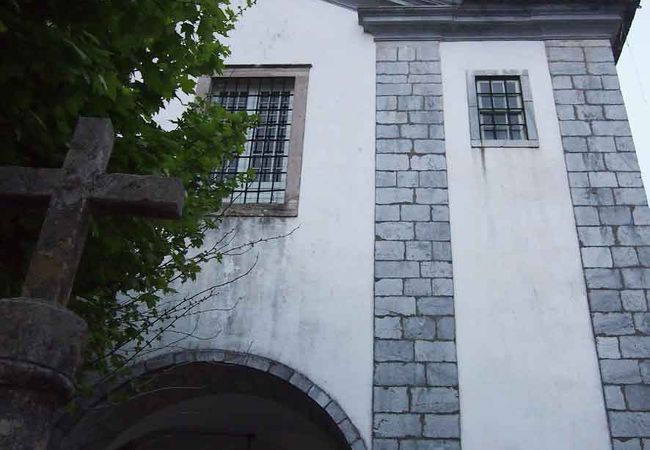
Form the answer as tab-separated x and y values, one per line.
142	195
79	187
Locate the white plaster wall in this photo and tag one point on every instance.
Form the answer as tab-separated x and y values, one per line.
528	372
308	301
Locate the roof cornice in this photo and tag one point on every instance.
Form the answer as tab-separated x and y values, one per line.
503	20
356	4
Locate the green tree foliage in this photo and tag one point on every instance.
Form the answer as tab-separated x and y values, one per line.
121	59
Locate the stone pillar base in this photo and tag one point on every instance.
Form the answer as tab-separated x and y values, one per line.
40	348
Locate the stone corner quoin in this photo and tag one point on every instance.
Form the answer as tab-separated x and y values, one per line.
613	227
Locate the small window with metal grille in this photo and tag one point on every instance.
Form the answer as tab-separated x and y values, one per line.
267	144
501	109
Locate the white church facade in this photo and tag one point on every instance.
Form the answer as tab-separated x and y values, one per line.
455	241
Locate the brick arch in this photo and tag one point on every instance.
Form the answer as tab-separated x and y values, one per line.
94	427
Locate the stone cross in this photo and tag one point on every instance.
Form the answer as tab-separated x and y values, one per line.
81	185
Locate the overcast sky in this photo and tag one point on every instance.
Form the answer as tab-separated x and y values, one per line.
634	71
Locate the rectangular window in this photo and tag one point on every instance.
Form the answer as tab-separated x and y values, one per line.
267	144
501	109
277	95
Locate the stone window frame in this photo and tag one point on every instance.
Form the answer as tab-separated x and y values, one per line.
529	110
300	75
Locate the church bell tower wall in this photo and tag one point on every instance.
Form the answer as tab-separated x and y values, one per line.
545	217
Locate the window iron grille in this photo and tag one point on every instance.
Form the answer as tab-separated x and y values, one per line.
501	108
267	144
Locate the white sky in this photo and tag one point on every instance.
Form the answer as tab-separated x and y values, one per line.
634	72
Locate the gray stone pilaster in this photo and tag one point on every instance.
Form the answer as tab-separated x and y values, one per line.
416	399
613	226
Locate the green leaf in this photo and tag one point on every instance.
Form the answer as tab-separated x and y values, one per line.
102	81
77	49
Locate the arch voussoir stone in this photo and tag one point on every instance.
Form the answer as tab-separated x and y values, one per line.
160	363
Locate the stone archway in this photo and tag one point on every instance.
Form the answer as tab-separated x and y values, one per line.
201	398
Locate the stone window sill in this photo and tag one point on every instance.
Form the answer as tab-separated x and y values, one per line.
505	144
260	210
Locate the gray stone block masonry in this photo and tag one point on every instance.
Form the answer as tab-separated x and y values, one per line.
613	225
416	398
